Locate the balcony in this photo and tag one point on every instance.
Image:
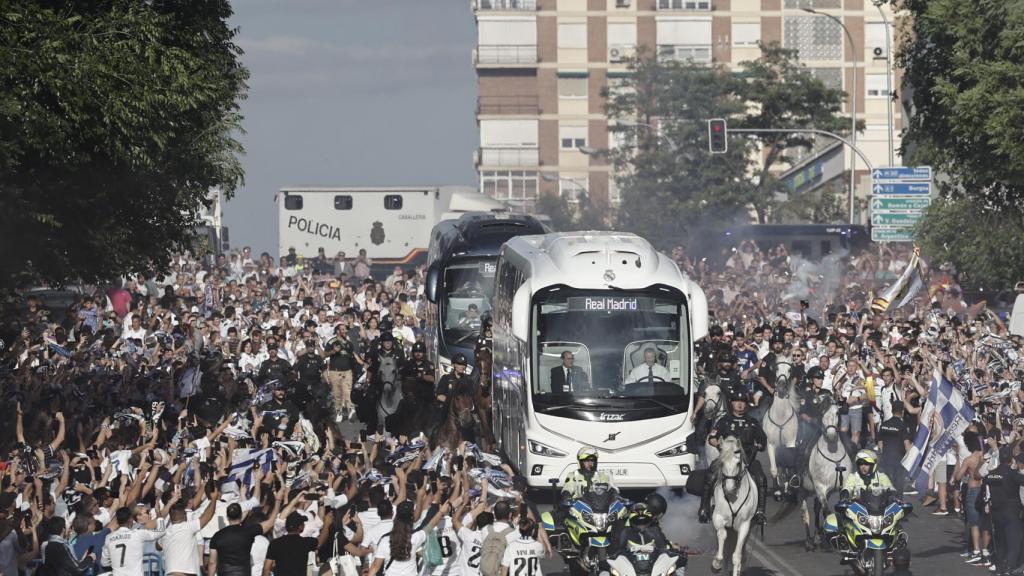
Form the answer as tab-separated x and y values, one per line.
505	54
507	157
507	105
698	53
506	5
685	5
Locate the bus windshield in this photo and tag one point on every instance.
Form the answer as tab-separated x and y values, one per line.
607	350
468	288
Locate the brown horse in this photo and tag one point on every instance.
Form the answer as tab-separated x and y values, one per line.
482	397
461	422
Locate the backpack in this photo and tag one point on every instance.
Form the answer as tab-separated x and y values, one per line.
492	550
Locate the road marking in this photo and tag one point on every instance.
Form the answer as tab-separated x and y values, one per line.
768	557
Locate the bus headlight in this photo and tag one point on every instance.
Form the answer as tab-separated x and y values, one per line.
677	450
542	450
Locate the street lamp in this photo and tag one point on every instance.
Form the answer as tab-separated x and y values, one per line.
888	79
853	110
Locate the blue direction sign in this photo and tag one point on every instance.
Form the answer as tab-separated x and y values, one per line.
901	188
903	173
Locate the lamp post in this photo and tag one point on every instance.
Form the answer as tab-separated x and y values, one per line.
853	99
888	80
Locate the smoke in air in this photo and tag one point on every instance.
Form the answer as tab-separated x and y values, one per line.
681	526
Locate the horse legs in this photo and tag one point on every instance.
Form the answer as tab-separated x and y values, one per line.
737	554
719	559
774	468
817	520
806	515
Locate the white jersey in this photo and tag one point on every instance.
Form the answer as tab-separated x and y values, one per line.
401	567
522	557
471	543
449	542
124	550
181	554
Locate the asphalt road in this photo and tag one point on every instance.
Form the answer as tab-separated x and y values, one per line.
935	542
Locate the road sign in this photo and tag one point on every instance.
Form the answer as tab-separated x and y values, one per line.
901	188
902	174
895	220
899	204
892	234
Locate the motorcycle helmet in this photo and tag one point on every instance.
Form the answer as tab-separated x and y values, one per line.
586	453
641	515
867	457
656	504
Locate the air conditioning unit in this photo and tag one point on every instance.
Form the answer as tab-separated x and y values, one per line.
879	52
616	54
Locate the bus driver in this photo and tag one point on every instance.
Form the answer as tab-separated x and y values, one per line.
650	370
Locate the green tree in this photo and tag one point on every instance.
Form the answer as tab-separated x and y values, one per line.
984	244
117	117
666	188
963	65
566	217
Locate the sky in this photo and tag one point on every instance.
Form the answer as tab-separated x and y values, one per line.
348	93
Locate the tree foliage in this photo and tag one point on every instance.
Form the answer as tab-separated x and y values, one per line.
984	244
116	119
670	181
964	64
566	217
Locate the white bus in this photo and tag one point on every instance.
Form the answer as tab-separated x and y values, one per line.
609	299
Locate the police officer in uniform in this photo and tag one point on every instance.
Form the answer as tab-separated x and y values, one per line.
1003	484
747	430
814	402
449	384
310	368
274	367
418	376
484	341
384	348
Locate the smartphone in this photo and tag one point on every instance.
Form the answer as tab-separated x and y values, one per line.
90	550
311	497
355	446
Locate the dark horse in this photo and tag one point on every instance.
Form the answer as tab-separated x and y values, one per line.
482	397
461	422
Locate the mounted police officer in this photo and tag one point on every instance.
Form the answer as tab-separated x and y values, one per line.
747	430
455	381
418	380
814	402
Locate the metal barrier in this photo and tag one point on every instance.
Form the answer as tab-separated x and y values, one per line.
152	565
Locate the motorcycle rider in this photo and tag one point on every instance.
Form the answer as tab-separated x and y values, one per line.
583	479
644	527
740	425
868	477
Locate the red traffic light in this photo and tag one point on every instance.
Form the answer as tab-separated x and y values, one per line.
718	132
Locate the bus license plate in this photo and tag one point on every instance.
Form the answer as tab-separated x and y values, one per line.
617	471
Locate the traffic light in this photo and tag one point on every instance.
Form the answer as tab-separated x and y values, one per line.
718	142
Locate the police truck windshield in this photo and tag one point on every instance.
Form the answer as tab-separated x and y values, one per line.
468	288
610	350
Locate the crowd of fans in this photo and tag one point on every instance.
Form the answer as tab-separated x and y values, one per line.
196	418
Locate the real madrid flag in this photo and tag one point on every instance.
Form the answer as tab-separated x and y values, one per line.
906	287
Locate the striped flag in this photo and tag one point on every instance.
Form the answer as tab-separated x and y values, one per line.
906	287
243	462
954	414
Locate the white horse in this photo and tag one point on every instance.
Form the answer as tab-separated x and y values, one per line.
390	390
735	497
780	423
715	407
823	475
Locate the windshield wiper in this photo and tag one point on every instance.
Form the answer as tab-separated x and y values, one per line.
577	404
664	405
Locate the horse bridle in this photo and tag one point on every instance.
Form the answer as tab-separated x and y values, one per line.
738	479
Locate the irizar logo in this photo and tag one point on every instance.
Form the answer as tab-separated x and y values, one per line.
605	417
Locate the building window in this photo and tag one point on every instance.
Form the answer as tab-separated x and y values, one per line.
830	77
292	202
392	202
746	33
684	38
342	202
572	35
509	185
572	188
814	37
572	137
814	4
573	88
876	87
874	39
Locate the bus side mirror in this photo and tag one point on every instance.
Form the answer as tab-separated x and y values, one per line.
433	282
521	313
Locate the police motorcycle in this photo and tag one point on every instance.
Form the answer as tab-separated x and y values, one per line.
867	530
583	536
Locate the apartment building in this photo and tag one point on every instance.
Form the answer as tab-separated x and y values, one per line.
542	65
